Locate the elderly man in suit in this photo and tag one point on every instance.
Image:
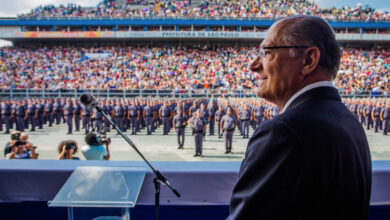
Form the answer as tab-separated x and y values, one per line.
312	161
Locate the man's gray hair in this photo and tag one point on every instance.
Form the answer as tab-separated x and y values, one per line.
314	31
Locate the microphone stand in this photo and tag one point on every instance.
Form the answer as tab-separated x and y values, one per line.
158	177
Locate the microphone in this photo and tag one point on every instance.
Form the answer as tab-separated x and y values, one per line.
89	101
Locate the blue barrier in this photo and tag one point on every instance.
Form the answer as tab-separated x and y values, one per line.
27	185
171	21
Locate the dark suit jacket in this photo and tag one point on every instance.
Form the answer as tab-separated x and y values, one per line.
311	162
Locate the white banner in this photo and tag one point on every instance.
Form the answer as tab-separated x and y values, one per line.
97	55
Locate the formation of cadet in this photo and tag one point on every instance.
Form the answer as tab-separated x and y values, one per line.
371	113
150	113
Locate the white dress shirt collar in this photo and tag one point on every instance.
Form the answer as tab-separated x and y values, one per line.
305	89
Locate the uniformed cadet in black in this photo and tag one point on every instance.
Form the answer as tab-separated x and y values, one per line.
205	115
41	113
106	110
57	111
253	108
21	115
179	123
6	113
148	115
360	112
32	113
245	118
25	106
228	124
77	115
165	113
133	117
237	111
63	103
367	113
143	105
98	121
200	125
112	112
14	115
68	114
140	109
126	118
49	113
9	102
259	114
218	116
211	108
385	117
119	116
354	108
154	108
375	116
171	105
156	118
86	114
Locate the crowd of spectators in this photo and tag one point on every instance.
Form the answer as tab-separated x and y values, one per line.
267	9
364	70
177	68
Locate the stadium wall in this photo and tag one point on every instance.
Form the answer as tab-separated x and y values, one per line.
20	31
158	21
255	37
9	29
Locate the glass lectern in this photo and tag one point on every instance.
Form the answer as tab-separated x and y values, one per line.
113	187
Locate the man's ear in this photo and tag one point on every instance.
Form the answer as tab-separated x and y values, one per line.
311	58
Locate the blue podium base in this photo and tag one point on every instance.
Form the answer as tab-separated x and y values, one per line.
40	211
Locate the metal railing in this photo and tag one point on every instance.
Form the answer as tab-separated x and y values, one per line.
167	93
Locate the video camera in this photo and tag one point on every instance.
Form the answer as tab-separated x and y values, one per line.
97	139
103	139
19	143
70	146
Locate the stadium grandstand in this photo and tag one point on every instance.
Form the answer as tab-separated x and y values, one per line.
161	54
179	46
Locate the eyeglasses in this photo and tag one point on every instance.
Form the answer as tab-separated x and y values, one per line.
262	51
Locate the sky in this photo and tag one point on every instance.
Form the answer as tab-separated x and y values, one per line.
11	8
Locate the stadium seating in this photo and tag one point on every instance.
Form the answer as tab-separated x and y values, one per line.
262	9
143	67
